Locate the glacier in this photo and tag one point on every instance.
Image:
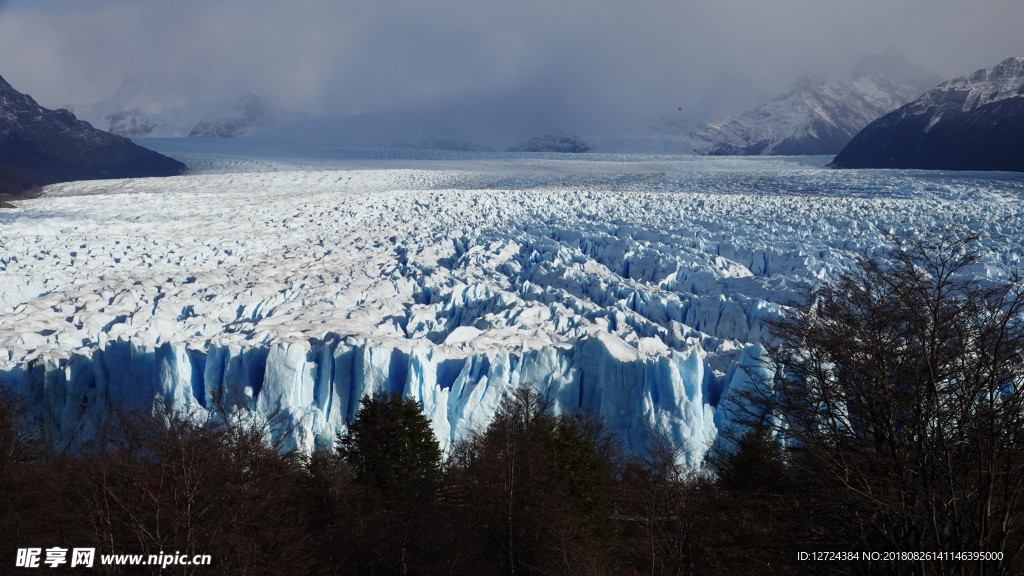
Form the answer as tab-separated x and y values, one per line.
293	281
313	388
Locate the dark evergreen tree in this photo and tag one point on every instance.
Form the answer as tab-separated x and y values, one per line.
390	447
396	463
537	490
756	464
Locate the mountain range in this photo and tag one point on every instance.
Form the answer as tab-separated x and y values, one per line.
39	146
159	107
817	116
974	122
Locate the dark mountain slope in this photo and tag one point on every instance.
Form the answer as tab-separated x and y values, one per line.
39	146
817	116
974	122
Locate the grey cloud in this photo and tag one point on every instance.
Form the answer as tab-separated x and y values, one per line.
588	64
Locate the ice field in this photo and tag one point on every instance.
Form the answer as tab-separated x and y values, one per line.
296	279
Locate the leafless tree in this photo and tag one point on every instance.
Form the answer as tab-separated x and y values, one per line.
898	389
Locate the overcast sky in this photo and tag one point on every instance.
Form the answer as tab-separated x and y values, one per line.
603	62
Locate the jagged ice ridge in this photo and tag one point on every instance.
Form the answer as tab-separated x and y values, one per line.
630	286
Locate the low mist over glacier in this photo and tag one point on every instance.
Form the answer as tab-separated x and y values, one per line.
294	280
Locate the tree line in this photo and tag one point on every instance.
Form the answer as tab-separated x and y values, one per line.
893	422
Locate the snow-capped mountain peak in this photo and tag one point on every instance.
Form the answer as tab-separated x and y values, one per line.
246	114
985	86
816	116
160	107
974	122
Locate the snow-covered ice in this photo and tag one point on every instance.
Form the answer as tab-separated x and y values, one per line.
296	283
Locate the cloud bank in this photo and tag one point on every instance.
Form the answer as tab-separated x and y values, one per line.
591	65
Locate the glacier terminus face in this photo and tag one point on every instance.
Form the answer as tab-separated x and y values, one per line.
293	284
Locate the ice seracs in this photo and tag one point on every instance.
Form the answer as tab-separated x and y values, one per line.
629	286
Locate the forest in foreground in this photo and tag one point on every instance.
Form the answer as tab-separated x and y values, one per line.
893	424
